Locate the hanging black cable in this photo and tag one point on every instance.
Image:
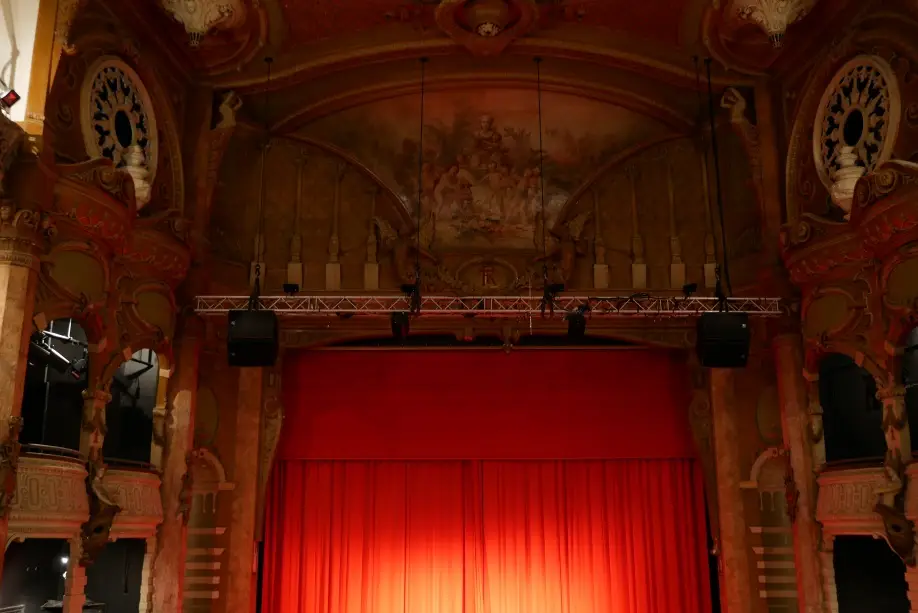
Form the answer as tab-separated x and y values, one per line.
548	290
254	302
719	196
416	294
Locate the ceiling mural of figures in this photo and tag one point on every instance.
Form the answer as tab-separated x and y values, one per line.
481	183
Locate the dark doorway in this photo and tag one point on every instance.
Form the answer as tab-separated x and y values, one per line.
852	414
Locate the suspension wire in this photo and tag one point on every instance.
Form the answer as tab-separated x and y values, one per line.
538	63
416	302
548	299
719	198
254	302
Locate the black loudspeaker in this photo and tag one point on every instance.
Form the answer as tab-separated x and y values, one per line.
723	340
252	339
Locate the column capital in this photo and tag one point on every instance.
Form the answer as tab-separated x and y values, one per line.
23	234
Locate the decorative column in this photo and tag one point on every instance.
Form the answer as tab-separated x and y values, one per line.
241	554
333	267
168	574
295	265
638	266
734	550
600	267
827	561
75	582
677	266
371	267
146	577
710	255
95	399
793	400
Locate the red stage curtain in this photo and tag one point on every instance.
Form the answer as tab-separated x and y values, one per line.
480	482
485	405
623	536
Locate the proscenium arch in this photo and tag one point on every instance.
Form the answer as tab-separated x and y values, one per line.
405	212
299	68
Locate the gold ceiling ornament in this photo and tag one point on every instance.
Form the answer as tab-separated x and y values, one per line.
486	27
774	16
201	16
488	17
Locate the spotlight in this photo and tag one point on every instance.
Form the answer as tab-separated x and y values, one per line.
65	560
291	288
401	325
9	99
41	354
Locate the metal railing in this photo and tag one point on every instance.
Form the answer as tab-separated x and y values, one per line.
637	305
50	451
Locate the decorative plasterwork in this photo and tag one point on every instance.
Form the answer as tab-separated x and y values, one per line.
201	16
486	27
856	125
137	494
774	16
117	114
847	499
51	500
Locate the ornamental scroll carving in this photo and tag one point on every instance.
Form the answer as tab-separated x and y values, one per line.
9	463
103	508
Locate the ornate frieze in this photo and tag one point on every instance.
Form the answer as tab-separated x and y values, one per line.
50	499
847	499
136	492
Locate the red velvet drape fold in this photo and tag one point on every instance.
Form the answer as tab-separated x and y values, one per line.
398	533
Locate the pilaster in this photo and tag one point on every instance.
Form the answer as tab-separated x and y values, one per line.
75	582
737	575
792	395
241	567
168	569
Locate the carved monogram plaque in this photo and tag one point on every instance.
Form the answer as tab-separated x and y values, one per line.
50	497
847	498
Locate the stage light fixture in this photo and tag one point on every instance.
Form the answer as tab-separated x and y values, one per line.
576	323
291	288
689	289
9	99
41	354
401	325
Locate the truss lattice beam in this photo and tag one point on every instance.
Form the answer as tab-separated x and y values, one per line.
490	306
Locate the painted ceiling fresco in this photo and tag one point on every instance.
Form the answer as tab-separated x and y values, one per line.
481	179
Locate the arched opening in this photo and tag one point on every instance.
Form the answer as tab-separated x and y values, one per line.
869	576
56	377
910	381
114	578
34	571
852	414
129	414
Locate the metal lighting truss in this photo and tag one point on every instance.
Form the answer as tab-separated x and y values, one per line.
639	305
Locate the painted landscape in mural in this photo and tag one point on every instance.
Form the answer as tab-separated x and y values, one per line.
481	183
